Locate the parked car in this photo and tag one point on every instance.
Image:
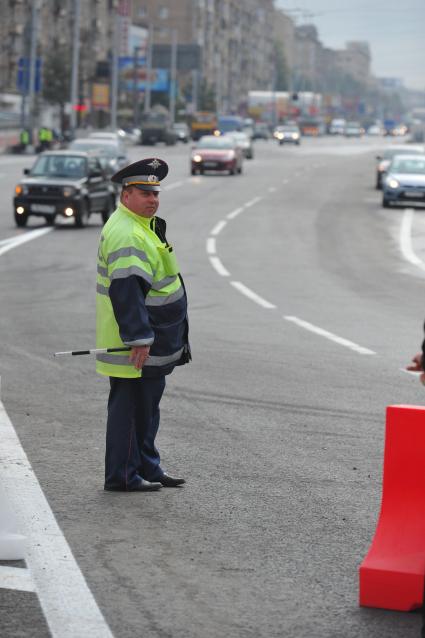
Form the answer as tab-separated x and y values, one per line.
375	129
405	181
353	129
112	153
287	134
182	131
118	136
70	184
385	159
337	126
244	142
216	153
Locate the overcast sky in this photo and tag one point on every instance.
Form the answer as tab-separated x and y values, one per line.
395	30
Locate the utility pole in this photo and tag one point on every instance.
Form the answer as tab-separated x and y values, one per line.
114	88
75	64
147	105
136	114
173	75
32	65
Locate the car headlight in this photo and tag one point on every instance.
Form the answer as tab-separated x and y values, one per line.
295	136
21	189
69	191
393	183
197	158
280	136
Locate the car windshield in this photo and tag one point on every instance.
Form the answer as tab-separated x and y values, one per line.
289	129
389	153
239	137
111	150
59	166
215	142
410	165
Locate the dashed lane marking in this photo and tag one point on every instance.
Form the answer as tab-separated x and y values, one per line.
235	213
13	242
218	266
219	227
211	246
66	600
252	295
329	335
406	240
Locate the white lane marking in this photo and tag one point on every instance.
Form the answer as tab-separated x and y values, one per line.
211	246
22	239
406	239
252	202
66	600
329	335
218	266
235	213
16	578
219	227
170	187
251	295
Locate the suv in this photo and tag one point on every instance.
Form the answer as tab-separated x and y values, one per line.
68	183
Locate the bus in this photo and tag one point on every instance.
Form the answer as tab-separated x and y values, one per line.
203	123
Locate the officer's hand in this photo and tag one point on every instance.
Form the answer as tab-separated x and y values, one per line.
138	356
417	363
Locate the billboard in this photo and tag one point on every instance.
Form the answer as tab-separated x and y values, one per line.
131	77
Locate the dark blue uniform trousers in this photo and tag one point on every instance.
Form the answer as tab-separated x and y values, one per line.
133	422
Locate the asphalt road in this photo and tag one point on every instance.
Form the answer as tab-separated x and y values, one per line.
278	430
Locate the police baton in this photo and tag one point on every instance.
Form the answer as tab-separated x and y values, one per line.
75	353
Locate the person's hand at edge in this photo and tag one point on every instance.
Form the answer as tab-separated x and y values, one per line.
417	365
138	356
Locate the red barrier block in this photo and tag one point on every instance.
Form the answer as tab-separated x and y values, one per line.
392	574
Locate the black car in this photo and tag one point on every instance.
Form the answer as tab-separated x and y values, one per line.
71	184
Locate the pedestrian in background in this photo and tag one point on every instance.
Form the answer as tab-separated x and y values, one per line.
140	303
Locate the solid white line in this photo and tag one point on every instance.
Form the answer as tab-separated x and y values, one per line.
252	202
22	239
252	295
211	246
329	335
235	213
216	263
170	187
15	578
66	600
219	227
406	239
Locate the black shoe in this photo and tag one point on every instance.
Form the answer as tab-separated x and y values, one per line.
144	486
169	481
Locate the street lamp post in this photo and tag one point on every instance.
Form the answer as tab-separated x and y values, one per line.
75	63
136	114
173	75
148	89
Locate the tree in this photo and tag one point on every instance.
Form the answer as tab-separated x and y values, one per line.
207	99
281	68
56	78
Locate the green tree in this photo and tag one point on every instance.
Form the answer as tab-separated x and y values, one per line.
281	68
57	78
207	99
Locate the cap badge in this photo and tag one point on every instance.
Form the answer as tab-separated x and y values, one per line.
152	178
155	164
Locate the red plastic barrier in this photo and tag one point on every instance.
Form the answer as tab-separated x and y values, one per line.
393	572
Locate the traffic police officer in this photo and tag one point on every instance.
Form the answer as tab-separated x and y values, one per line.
140	303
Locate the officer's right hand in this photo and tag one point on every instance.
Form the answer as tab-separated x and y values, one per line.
138	356
417	363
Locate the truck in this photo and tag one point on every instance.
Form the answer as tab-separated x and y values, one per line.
156	127
203	123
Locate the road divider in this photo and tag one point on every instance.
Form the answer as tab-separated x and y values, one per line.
392	573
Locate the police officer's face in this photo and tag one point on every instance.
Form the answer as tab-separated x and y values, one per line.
143	203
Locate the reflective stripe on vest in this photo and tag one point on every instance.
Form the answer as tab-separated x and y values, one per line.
163	300
154	361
